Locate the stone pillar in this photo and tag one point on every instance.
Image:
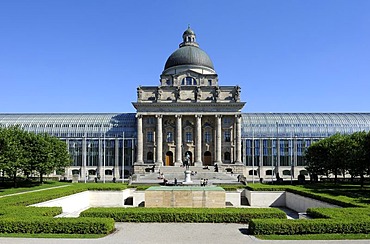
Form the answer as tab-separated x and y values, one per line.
159	140
100	160
238	140
178	140
218	139
198	144
116	158
139	158
83	169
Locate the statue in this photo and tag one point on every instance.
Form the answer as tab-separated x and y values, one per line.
159	93
177	93
216	93
198	93
139	93
237	94
187	158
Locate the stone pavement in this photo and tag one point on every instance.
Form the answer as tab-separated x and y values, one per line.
163	233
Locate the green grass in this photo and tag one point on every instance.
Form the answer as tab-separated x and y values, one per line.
32	187
315	237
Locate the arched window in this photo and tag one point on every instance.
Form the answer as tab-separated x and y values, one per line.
189	81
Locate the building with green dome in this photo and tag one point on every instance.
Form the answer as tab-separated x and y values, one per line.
188	116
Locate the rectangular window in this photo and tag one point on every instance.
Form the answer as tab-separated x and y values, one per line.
207	137
169	137
189	137
227	136
151	120
149	136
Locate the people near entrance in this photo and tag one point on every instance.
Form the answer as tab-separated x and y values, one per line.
216	167
203	182
205	167
175	181
160	176
165	181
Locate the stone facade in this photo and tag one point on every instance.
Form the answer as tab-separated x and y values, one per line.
188	114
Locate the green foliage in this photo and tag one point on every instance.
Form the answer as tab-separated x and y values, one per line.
56	225
27	152
311	226
335	213
27	212
340	154
194	215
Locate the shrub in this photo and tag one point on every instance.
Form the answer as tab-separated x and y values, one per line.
313	226
343	213
57	225
196	215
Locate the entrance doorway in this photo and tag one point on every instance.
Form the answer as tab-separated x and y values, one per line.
207	158
169	159
190	158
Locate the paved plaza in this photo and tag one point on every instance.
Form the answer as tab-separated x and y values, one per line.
152	233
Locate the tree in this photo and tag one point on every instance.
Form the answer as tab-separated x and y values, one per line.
27	152
47	153
317	157
12	153
358	165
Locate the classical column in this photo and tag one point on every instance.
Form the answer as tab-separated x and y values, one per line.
218	139
139	158
198	144
159	140
238	139
116	158
178	140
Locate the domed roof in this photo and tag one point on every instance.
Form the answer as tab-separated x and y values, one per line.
189	55
188	32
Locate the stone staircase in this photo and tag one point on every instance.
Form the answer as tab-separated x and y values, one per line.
172	172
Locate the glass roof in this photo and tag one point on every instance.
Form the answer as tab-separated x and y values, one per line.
75	125
258	125
302	124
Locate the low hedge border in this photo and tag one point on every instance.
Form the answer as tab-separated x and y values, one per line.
57	225
313	226
191	215
343	213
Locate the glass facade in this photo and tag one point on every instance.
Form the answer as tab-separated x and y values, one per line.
106	143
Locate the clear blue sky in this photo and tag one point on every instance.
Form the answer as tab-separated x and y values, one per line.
89	55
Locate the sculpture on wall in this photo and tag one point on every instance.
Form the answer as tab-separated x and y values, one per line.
237	94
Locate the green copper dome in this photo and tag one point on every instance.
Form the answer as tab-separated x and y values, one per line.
189	53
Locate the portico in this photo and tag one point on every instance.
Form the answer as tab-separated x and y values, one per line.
188	113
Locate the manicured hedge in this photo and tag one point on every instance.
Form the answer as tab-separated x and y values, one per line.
343	213
195	215
57	225
312	226
26	212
